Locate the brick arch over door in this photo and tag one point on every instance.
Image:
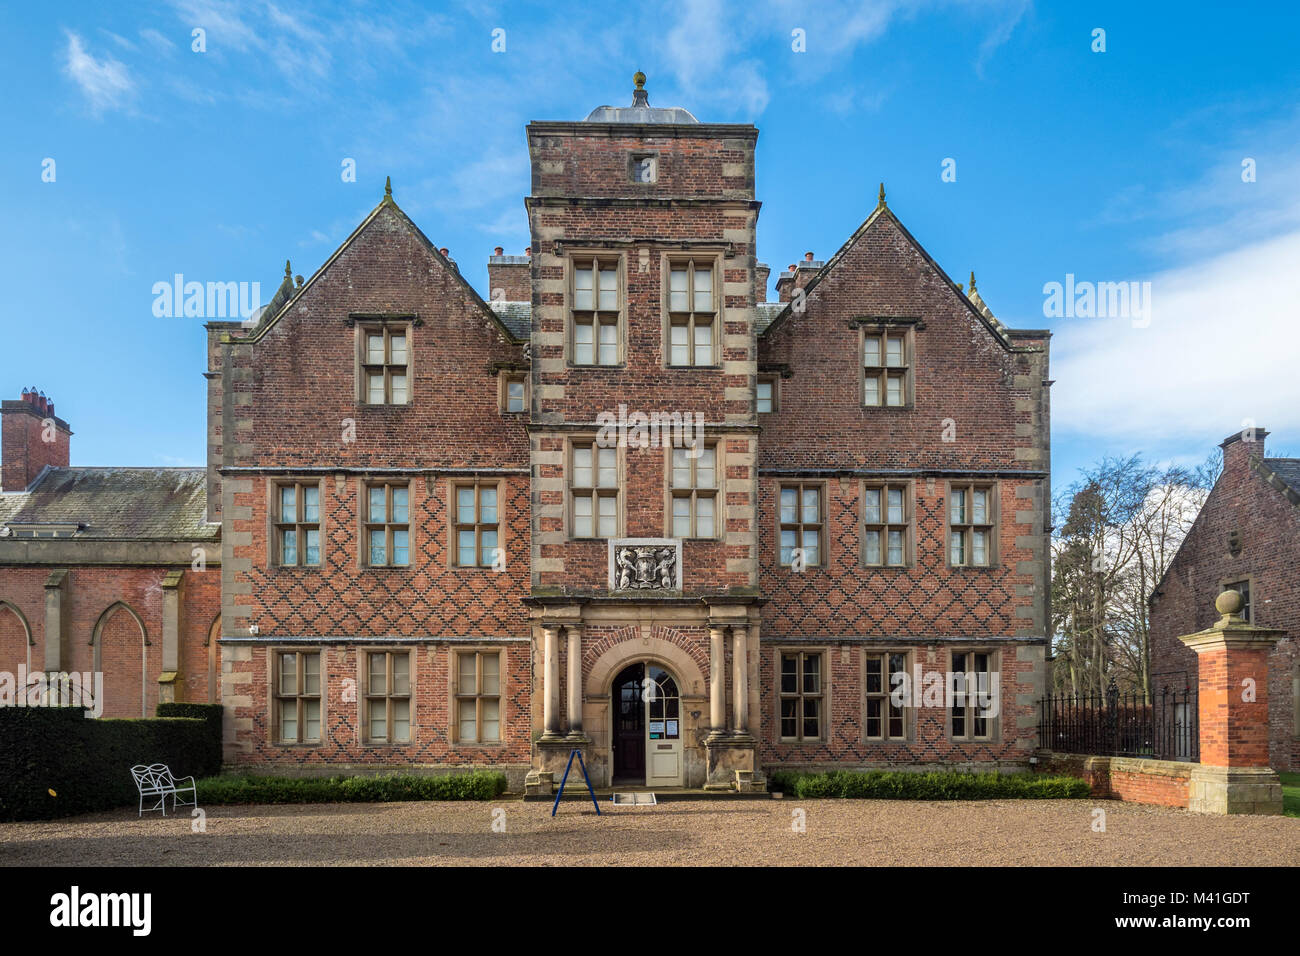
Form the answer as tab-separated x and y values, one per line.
606	667
16	642
122	653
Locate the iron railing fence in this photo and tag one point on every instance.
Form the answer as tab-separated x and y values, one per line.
1122	724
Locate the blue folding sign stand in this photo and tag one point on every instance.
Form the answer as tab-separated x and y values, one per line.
565	778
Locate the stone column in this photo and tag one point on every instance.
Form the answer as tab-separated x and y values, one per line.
740	679
551	682
173	601
717	681
56	624
1232	700
575	679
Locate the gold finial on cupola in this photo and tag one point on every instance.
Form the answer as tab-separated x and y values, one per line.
638	78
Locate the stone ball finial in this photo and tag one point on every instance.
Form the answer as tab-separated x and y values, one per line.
1228	603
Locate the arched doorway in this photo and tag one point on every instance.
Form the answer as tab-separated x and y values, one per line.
647	727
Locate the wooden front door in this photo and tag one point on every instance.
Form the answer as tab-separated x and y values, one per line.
629	725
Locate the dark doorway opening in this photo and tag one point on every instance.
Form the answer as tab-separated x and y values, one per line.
629	725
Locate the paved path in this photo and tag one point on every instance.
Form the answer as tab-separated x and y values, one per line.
871	832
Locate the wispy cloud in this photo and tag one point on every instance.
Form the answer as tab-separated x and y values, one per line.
105	83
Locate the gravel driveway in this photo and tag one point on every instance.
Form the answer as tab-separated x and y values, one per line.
858	832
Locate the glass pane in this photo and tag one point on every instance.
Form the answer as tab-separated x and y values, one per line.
491	721
488	546
894	390
465	549
466	682
491	664
704	518
787	546
957	507
811	715
487	505
679	340
979	548
764	396
288	674
812	674
873	547
980	506
400	505
374	349
375	389
401	673
378	509
790	718
401	721
464	505
895	547
608	343
872	394
811	547
397	350
514	396
677	290
789	501
401	549
311	673
789	674
894	351
289	721
607	464
583	525
288	510
681	468
378	681
895	505
582	289
288	547
956	548
681	517
871	506
582	473
311	543
873	717
811	505
706	468
703	290
311	720
378	549
875	675
311	503
703	345
608	289
468	731
399	389
608	518
871	351
583	339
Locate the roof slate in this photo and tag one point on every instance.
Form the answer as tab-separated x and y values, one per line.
148	504
1287	469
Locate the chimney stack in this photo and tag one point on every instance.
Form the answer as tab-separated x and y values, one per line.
1240	447
509	278
761	273
30	439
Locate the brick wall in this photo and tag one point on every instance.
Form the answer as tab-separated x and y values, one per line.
25	451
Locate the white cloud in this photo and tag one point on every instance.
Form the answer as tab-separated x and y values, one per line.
105	83
1220	350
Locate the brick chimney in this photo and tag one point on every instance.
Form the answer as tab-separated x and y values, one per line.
32	438
762	271
798	276
510	275
1240	447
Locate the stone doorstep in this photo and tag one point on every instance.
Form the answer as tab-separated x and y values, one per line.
662	795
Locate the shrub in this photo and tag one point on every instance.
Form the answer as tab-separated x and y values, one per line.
474	785
54	761
931	785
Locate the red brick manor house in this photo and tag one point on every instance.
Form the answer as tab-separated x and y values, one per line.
621	503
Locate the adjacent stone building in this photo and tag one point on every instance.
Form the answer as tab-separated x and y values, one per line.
108	570
1246	538
623	503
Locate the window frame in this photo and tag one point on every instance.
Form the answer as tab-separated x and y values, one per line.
388	525
600	261
457	654
455	526
823	694
364	368
596	492
884	526
507	378
671	319
884	371
991	525
693	493
773	379
276	696
907	715
364	699
822	537
994	724
275	552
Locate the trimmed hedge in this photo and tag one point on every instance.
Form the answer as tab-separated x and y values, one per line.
211	714
474	785
932	785
56	762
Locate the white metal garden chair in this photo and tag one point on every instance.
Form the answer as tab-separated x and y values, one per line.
156	782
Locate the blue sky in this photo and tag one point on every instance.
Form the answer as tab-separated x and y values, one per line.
1117	166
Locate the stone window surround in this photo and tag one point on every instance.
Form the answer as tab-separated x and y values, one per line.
667	260
884	328
574	256
719	488
363	696
823	652
909	713
454	655
909	522
995	723
504	379
364	523
273	486
824	541
994	486
453	544
570	442
774	379
387	325
273	698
